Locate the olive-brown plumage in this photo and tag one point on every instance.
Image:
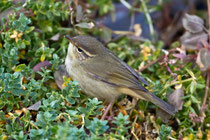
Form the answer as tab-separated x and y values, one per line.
103	75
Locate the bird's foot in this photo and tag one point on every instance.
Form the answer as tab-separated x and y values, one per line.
109	108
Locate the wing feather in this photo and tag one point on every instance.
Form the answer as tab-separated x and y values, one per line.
114	72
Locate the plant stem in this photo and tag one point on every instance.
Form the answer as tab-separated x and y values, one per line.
106	111
151	63
126	4
147	15
206	91
175	83
149	19
178	82
133	129
208	3
208	72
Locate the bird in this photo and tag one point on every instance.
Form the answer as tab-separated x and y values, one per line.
100	73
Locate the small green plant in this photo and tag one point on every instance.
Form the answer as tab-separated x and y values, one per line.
164	132
26	43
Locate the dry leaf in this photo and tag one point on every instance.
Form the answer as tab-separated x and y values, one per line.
35	106
181	54
18	111
55	37
203	59
44	64
190	40
194	27
137	29
176	98
192	23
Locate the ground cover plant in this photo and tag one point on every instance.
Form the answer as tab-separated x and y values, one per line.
35	104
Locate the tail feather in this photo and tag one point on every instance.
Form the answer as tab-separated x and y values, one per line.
157	101
145	95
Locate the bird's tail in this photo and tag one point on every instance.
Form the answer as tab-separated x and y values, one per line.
157	101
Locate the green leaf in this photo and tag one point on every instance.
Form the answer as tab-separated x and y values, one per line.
121	122
22	23
195	100
98	127
20	67
30	29
9	128
70	100
2	118
165	131
68	132
192	87
1	71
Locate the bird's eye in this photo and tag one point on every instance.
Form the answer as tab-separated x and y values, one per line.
79	50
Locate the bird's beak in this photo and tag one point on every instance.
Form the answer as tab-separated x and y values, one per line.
69	38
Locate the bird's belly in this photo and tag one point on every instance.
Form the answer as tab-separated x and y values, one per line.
98	89
94	88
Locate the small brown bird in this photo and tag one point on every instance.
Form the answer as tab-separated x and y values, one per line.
103	75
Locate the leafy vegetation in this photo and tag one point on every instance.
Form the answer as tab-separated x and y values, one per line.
32	36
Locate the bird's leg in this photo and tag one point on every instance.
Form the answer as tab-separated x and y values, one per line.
106	111
110	110
134	102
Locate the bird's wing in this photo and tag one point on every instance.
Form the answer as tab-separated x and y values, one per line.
141	79
113	71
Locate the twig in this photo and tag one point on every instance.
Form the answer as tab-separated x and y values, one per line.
31	123
178	82
132	20
133	129
156	60
175	83
126	4
151	63
147	15
170	71
130	7
34	125
208	3
106	111
203	107
149	19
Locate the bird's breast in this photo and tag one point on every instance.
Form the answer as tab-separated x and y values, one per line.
90	86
